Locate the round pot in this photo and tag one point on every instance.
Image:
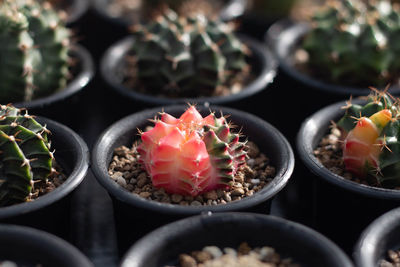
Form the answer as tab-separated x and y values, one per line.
342	208
51	212
284	37
303	245
230	11
262	62
130	209
28	247
55	105
377	239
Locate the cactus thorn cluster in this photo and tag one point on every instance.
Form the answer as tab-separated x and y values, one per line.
34	46
355	42
25	155
187	56
191	155
371	147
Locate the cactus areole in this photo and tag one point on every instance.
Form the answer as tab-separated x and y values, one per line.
191	155
187	56
355	42
371	146
34	47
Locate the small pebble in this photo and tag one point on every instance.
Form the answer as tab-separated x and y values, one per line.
214	251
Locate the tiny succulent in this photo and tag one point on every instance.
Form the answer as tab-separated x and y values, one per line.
371	146
355	42
34	47
187	56
191	155
25	156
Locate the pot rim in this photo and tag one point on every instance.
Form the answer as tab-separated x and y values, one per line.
46	241
78	83
136	253
383	226
267	74
304	144
103	146
232	10
281	37
77	175
78	9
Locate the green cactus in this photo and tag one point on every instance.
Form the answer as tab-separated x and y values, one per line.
372	139
186	57
34	47
355	42
24	155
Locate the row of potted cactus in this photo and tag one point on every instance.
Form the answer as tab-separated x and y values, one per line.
191	152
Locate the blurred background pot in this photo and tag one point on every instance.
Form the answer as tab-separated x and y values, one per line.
261	60
67	100
134	212
341	208
52	211
304	246
30	247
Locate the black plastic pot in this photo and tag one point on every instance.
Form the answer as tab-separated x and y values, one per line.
131	210
29	247
54	106
303	245
284	37
375	241
51	212
262	62
230	11
342	208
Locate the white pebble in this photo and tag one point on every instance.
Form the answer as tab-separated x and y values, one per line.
255	181
214	251
230	251
121	181
8	264
250	162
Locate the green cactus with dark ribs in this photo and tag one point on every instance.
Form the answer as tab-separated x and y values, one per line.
355	42
371	147
34	45
25	155
187	56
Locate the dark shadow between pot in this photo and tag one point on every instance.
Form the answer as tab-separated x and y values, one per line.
51	212
342	208
55	105
261	60
375	241
305	246
131	209
284	37
233	9
29	247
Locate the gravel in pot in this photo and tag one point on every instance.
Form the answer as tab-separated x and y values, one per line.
149	214
344	204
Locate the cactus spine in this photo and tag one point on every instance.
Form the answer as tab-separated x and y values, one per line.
372	139
191	155
24	155
187	57
34	47
355	42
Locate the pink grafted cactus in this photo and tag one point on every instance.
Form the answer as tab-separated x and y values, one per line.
191	155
